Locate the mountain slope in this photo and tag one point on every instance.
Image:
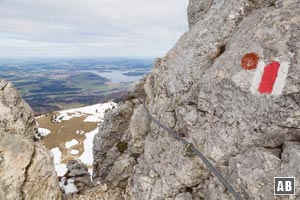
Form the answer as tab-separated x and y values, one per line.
202	89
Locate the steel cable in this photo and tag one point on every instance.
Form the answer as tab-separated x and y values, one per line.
214	170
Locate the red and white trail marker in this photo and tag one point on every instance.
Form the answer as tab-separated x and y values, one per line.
270	79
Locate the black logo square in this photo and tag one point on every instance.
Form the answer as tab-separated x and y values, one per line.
284	185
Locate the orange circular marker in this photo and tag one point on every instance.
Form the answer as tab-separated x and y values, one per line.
249	61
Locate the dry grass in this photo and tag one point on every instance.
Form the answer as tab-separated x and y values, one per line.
64	132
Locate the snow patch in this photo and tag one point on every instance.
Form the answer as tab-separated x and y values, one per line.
68	185
60	168
91	172
71	143
80	132
44	132
87	155
94	113
74	152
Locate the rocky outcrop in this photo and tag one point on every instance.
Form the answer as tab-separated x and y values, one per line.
111	147
16	116
197	9
26	167
78	171
100	193
201	90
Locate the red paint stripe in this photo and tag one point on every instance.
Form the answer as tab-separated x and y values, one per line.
269	77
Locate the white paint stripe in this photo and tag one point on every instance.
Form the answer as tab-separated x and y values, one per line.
281	78
257	77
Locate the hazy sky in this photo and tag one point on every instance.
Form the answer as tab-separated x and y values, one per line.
90	28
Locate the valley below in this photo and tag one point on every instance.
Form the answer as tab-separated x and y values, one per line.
57	84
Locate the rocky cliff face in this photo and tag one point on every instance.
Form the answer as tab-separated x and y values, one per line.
26	167
232	115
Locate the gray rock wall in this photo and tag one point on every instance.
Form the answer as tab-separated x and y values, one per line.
26	167
200	90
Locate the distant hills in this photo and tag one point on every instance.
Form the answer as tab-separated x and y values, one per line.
56	84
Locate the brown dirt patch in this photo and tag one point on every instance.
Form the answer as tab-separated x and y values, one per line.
64	132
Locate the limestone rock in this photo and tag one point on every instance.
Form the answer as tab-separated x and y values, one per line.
100	193
41	181
197	9
16	116
201	90
255	171
26	167
79	173
16	153
111	140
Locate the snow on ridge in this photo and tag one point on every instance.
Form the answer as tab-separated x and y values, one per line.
95	113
